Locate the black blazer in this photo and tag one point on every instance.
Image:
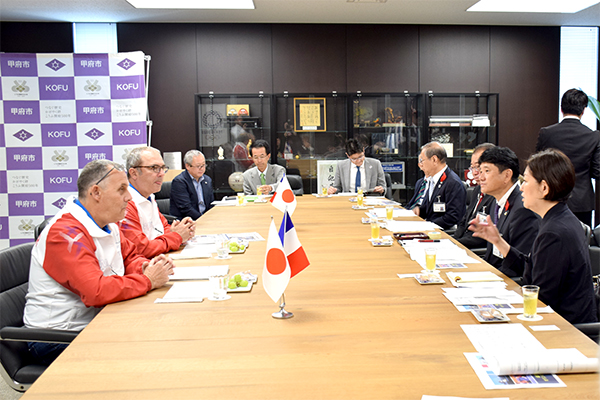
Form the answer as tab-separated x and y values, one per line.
184	199
519	227
462	233
582	146
560	265
451	191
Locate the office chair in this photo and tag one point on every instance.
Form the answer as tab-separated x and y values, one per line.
39	228
296	184
18	368
388	186
163	201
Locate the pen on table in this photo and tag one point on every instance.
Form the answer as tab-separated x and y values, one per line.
429	240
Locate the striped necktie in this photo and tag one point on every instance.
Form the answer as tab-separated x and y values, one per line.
420	195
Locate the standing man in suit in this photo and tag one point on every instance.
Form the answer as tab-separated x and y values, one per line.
191	190
440	197
478	203
263	177
358	171
581	145
498	177
144	225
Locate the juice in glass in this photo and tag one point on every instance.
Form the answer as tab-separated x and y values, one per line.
240	197
324	191
430	260
360	199
389	213
375	230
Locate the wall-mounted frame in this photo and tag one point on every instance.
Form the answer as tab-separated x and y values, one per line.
309	114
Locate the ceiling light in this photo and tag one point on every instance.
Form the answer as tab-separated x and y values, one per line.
532	6
195	4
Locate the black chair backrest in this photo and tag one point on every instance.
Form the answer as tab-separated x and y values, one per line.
14	277
296	184
388	186
164	192
39	228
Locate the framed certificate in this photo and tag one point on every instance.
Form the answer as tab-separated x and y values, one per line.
309	114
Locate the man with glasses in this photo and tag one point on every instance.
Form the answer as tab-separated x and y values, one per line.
477	202
263	177
191	191
358	171
440	197
144	225
81	261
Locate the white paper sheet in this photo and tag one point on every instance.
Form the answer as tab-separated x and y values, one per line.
198	273
410	226
475	296
398	212
548	361
446	252
186	292
492	339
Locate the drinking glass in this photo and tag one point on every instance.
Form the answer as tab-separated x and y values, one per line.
530	298
374	229
240	197
222	249
359	198
324	191
389	213
430	254
218	285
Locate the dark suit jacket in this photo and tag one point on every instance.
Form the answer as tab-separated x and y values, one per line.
462	233
451	191
519	227
582	146
184	199
560	265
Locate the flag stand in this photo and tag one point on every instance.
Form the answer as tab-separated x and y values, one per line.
282	314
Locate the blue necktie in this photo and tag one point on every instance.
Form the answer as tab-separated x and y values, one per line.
420	195
357	183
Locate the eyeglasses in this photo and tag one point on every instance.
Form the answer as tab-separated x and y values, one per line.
475	169
155	168
356	159
105	175
261	157
198	166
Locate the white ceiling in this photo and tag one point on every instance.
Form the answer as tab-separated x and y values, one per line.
290	11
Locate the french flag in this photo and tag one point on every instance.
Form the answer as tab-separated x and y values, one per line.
291	246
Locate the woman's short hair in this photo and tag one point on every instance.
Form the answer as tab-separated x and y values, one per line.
554	167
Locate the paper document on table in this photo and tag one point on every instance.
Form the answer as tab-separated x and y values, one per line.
191	273
458	278
186	292
192	250
446	252
247	236
380	201
410	226
489	380
476	296
493	339
540	310
547	361
398	212
225	202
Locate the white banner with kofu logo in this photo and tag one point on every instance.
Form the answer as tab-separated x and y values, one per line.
57	113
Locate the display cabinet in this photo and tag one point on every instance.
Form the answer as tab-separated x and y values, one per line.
460	122
225	124
310	127
391	128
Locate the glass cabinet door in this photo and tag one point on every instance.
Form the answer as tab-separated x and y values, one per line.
390	128
226	125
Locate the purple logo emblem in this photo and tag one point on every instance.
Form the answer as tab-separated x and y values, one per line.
126	64
22	135
60	203
55	64
94	134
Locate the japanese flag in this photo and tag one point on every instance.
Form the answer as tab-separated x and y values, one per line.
276	273
284	197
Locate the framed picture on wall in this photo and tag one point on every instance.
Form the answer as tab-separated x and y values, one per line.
309	114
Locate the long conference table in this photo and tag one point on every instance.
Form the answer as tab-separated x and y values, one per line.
358	331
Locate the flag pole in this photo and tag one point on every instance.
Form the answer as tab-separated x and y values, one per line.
282	313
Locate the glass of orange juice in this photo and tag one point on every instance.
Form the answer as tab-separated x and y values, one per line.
430	259
389	213
374	229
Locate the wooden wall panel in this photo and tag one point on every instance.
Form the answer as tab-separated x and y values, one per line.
454	59
173	80
309	58
524	69
36	37
383	58
234	58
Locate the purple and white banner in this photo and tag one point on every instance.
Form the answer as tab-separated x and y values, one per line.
57	113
